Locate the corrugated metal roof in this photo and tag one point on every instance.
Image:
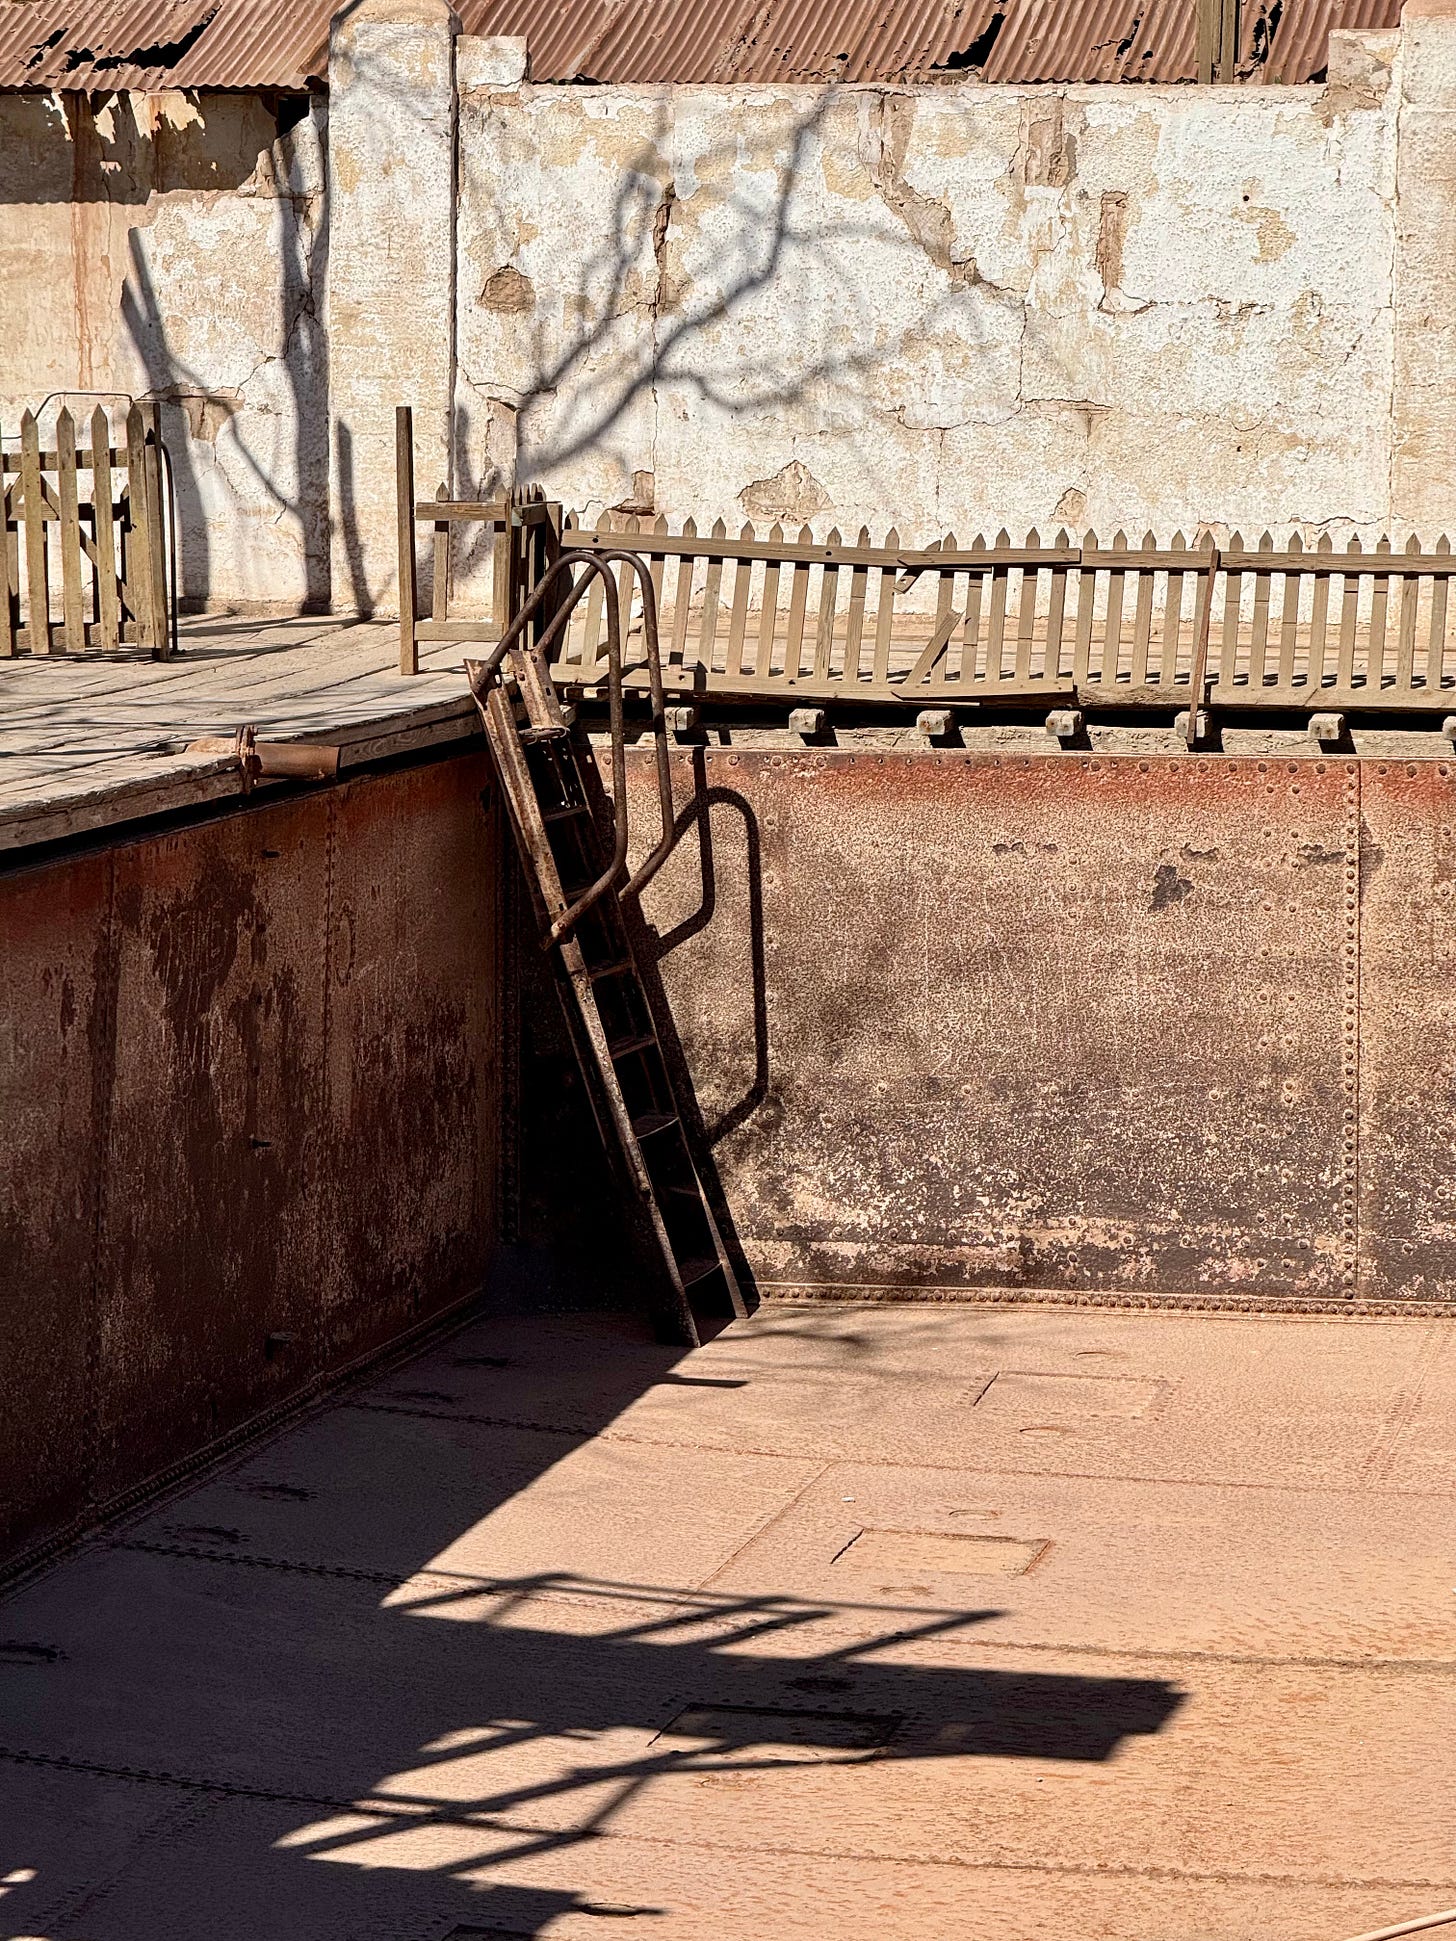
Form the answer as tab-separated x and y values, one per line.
156	44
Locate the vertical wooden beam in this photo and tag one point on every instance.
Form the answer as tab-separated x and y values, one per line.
404	492
33	505
9	572
1228	40
156	534
138	552
440	567
103	504
1210	13
68	500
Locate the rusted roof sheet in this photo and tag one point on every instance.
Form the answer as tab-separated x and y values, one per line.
156	44
151	45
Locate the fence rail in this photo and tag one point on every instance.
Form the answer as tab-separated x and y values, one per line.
1117	623
85	559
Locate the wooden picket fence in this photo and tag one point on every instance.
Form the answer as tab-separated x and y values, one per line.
85	551
1119	624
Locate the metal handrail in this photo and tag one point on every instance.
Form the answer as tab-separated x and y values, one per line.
481	674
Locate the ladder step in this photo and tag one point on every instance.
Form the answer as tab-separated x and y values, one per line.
624	1047
650	1122
565	815
550	732
619	967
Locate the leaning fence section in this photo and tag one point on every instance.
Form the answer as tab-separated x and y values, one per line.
1116	623
85	557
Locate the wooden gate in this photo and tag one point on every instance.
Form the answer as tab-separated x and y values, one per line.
85	542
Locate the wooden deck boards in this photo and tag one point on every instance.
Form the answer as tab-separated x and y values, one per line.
87	743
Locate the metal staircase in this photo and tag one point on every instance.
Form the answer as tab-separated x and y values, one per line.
579	879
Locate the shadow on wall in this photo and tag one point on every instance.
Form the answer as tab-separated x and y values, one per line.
207	299
580	364
291	481
725	290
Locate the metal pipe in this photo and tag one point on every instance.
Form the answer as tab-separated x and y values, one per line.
664	845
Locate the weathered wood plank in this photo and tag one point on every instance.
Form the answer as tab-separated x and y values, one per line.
1259	632
828	599
1410	593
1086	613
768	612
1056	613
1233	606
9	580
1436	638
1026	612
1289	617
798	607
1319	619
1142	619
108	606
1375	634
1349	614
885	614
854	614
37	588
73	609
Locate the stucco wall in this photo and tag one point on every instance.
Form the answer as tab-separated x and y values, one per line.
954	308
173	245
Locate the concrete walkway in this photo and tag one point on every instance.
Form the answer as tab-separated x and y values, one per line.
859	1622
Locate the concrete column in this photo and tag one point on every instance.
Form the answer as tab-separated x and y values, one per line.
1423	406
391	278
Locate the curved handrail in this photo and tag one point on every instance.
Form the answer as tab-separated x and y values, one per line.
482	673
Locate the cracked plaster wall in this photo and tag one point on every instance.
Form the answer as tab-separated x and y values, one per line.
954	308
172	245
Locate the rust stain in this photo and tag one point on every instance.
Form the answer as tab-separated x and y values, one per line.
156	44
266	1134
1041	1023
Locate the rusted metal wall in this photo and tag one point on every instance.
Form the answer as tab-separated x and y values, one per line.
249	1085
1172	1026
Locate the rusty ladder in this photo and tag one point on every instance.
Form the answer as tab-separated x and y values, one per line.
579	882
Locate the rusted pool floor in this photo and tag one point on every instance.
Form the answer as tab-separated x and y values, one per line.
859	1622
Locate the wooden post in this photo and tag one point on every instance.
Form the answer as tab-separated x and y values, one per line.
156	535
500	568
1203	616
138	553
37	587
440	566
1218	40
1209	14
1228	50
9	574
104	530
404	489
69	500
